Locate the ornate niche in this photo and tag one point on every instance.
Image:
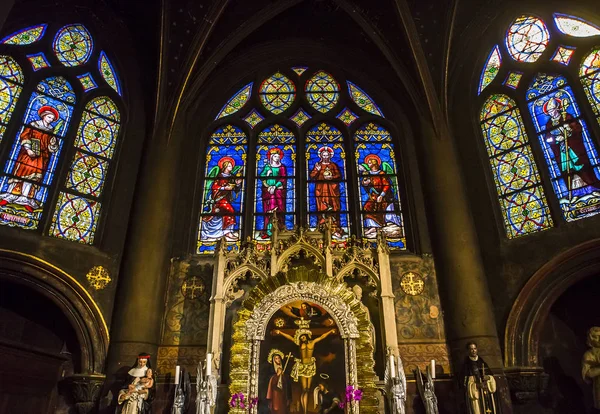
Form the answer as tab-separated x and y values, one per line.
301	266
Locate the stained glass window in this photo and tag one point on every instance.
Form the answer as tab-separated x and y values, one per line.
363	100
563	55
108	72
277	93
223	193
25	36
513	79
275	195
527	38
78	208
377	180
518	184
33	157
38	61
73	45
299	69
575	26
322	91
568	149
236	102
87	82
590	78
326	175
253	118
347	116
491	68
300	117
11	83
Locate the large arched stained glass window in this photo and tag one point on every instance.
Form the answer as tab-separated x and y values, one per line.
275	193
564	157
11	83
63	130
378	183
78	208
33	157
223	194
518	182
326	176
568	149
302	142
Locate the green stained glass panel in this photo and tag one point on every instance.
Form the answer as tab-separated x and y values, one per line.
109	73
236	102
11	80
75	218
347	116
277	93
73	45
322	91
300	117
363	100
87	174
97	135
25	36
491	68
518	183
38	61
253	118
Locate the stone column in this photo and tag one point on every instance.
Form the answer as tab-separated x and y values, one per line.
139	304
464	290
85	389
386	303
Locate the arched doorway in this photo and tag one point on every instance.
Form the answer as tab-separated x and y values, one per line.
38	349
52	306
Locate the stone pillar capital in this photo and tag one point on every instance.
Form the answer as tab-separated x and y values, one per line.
85	389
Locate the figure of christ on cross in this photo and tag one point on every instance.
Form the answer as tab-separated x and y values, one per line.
304	367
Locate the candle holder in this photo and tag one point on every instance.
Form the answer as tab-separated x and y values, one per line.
395	384
206	389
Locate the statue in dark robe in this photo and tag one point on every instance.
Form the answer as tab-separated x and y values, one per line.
479	384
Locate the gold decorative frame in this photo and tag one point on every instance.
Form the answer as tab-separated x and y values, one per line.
300	283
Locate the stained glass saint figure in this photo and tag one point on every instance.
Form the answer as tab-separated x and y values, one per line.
37	144
222	187
273	178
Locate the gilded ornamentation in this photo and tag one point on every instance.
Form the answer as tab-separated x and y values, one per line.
311	285
412	283
98	277
193	288
309	291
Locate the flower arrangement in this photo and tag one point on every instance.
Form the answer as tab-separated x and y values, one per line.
239	400
352	394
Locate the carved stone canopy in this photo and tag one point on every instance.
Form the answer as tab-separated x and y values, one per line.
305	291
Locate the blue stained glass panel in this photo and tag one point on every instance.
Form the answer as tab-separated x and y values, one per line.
326	177
223	193
569	151
35	153
378	184
274	190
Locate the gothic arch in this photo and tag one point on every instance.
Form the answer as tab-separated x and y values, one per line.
532	306
70	296
301	283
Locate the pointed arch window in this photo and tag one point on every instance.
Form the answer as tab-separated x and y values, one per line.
60	123
563	161
307	133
